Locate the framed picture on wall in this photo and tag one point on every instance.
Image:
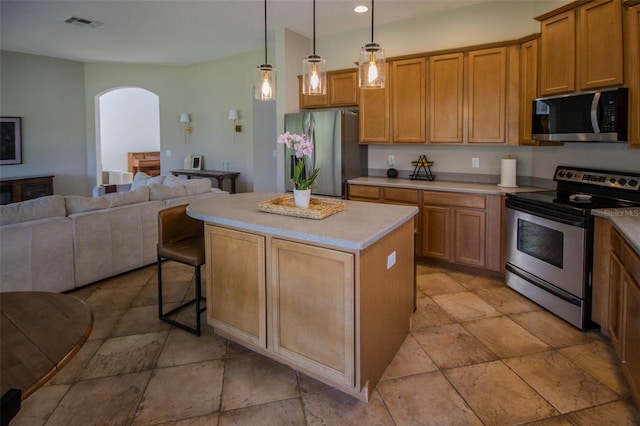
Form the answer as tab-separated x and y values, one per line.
196	162
10	140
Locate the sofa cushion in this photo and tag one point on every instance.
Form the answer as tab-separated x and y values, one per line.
163	192
39	208
79	204
139	195
197	186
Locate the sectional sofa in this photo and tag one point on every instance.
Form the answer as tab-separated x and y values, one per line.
58	243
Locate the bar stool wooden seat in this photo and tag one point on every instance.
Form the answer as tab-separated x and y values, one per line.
181	238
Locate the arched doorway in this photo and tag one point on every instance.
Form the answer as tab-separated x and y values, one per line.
128	120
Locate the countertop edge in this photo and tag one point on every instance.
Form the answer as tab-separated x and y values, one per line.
444	186
626	221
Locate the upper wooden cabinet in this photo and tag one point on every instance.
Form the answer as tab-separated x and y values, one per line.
342	90
408	103
528	88
446	95
558	53
632	70
487	95
375	113
583	42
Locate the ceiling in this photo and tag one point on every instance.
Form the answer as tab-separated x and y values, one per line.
179	32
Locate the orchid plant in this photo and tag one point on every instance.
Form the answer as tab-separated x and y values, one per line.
303	148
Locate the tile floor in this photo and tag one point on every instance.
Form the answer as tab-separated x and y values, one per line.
478	354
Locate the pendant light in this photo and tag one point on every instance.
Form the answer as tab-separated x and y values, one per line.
314	68
265	84
371	65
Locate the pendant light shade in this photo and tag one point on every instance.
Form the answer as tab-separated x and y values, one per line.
266	76
371	65
314	68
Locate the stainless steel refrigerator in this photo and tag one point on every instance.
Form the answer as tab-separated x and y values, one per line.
337	151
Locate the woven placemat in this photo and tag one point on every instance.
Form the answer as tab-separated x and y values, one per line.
319	208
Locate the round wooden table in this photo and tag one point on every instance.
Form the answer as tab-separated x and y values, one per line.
39	334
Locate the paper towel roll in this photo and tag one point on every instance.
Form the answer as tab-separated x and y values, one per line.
508	173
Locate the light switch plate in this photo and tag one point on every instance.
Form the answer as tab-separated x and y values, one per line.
391	260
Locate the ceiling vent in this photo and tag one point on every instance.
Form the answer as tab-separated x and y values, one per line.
83	22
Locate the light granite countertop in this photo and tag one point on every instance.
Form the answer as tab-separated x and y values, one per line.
357	227
626	221
437	185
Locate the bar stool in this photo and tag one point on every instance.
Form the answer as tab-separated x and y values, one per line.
181	238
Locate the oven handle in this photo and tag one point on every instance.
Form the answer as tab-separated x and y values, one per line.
556	216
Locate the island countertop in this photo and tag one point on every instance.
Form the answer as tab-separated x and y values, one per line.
357	227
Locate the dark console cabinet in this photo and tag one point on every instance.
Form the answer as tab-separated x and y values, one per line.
16	189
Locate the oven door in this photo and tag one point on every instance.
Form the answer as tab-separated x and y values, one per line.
553	249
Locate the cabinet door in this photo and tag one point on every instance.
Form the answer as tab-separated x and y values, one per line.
470	237
446	79
313	309
600	44
486	89
236	302
615	301
436	232
311	101
558	54
632	76
408	100
631	335
528	88
374	114
343	88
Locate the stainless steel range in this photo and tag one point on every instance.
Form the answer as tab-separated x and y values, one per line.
549	238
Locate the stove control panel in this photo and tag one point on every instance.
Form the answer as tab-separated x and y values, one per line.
599	178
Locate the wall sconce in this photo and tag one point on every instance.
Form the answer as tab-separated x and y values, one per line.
233	115
185	120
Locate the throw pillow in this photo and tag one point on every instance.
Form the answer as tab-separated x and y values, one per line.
38	208
171	180
156	179
163	192
79	204
139	180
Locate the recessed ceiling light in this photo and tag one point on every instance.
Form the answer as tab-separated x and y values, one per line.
360	8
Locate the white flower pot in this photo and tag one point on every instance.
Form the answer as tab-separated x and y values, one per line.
301	197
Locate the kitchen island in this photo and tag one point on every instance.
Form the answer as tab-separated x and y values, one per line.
332	298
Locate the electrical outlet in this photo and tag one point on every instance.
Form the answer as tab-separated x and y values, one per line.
168	153
391	260
391	160
475	162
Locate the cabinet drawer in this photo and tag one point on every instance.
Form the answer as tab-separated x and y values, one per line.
364	192
399	195
631	262
454	199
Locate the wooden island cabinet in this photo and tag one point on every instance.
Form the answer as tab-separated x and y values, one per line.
332	298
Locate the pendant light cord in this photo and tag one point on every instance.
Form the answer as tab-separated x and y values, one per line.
314	27
265	31
372	7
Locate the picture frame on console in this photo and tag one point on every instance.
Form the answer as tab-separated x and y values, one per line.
196	162
10	140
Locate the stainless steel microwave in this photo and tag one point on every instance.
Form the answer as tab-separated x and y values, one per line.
598	116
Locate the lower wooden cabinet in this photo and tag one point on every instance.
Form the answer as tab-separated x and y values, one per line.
335	314
620	315
313	308
238	307
454	227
